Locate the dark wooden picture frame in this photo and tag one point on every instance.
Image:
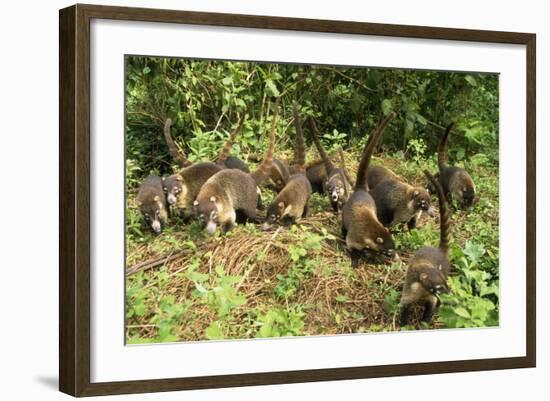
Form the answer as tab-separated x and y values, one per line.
74	199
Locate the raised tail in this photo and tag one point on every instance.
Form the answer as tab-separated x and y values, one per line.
315	136
262	172
442	155
444	220
361	182
300	149
174	151
224	153
343	164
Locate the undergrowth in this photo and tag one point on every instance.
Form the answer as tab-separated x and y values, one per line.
298	281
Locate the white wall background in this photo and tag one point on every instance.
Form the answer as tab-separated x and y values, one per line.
28	196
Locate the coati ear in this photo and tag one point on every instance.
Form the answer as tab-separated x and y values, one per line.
423	276
179	178
156	198
196	203
440	267
281	205
139	203
212	199
415	193
379	240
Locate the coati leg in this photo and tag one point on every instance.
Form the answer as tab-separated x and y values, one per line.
344	231
411	224
306	211
430	307
404	315
428	311
334	207
355	256
287	221
228	226
260	204
250	214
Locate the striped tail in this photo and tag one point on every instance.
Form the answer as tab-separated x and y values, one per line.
362	182
262	172
343	164
174	151
300	149
224	153
442	156
444	220
315	136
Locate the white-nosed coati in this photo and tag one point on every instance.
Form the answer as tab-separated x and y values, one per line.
396	201
292	202
278	174
232	195
429	268
456	182
151	202
360	226
337	185
182	188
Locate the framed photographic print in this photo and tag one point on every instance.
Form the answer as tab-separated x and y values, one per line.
250	200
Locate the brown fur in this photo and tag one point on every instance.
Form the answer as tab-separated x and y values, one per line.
456	182
224	152
223	197
377	174
343	165
291	203
317	176
263	170
182	188
398	202
279	174
299	161
360	226
230	195
428	270
152	203
337	185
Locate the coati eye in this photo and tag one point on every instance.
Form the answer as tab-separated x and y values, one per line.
165	189
379	240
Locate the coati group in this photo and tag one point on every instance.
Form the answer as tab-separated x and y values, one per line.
224	193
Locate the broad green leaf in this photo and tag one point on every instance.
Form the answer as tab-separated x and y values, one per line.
386	106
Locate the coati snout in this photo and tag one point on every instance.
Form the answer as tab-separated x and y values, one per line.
151	202
151	212
173	186
207	215
422	201
433	280
382	245
337	190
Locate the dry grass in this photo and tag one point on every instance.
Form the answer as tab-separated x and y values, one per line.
333	297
